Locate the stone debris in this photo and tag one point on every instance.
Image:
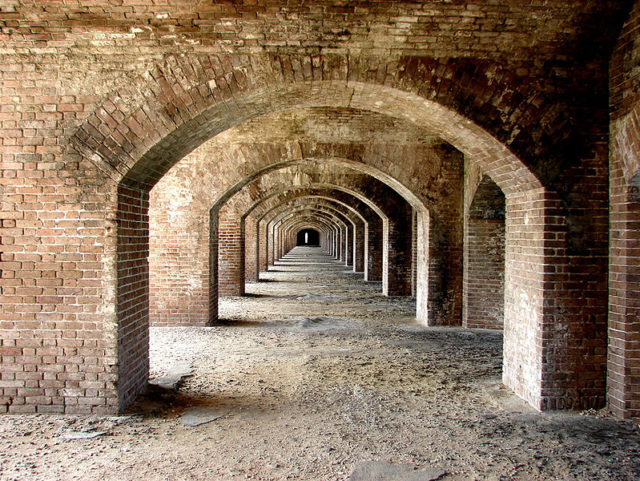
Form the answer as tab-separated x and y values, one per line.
173	375
319	298
71	435
382	471
198	415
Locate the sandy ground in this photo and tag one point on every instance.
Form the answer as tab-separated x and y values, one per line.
311	373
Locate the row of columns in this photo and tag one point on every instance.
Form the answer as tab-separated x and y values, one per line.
242	246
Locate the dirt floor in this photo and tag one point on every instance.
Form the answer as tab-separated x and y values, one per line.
310	375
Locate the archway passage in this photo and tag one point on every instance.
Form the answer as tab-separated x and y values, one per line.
308	237
528	286
98	111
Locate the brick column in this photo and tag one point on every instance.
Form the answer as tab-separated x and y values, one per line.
623	381
133	296
623	373
251	249
396	278
524	299
552	341
359	248
213	266
262	247
230	254
349	245
623	369
373	271
271	242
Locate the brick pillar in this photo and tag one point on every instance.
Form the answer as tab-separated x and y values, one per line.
230	254
262	247
374	251
133	293
332	242
271	240
414	252
422	226
213	266
251	249
623	373
396	279
623	381
349	245
524	297
553	350
623	370
276	243
359	248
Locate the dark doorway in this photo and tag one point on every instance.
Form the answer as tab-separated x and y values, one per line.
308	237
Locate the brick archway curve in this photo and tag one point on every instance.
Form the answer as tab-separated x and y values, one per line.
360	265
168	113
171	129
287	213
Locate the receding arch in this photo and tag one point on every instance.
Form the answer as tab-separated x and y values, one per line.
149	159
169	140
286	218
360	263
283	207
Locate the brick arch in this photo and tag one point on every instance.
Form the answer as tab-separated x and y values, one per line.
326	167
392	280
354	195
183	103
363	213
445	301
307	235
290	226
625	142
282	219
313	223
323	232
327	198
285	220
309	204
373	267
162	137
357	217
